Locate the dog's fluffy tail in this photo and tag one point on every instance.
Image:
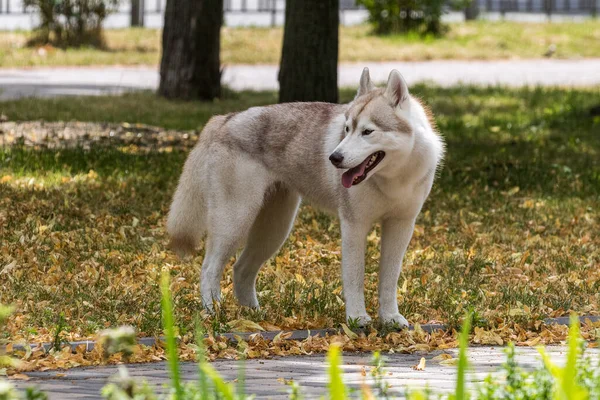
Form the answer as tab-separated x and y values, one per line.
186	220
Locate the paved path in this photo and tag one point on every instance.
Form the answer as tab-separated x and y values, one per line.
265	377
48	82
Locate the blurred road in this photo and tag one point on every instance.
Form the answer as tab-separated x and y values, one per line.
50	82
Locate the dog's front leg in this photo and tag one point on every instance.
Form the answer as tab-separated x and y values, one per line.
395	237
354	240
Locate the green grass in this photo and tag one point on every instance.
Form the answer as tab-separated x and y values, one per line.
509	230
133	107
472	40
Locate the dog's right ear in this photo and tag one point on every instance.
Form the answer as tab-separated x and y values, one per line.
365	83
397	89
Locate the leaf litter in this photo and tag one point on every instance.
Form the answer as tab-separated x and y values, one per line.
510	234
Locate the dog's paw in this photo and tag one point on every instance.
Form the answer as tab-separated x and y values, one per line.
359	321
394	319
211	307
246	297
250	302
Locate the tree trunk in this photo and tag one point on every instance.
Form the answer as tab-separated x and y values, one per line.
190	65
137	12
309	58
472	10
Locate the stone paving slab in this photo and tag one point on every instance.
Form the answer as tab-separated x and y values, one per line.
51	82
265	377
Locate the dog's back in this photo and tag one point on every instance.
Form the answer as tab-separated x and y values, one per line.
287	139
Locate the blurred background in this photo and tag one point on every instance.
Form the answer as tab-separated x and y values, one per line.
14	14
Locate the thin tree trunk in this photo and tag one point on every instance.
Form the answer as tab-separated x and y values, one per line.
472	10
137	12
309	58
190	67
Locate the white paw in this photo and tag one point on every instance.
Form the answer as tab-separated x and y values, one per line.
396	319
358	320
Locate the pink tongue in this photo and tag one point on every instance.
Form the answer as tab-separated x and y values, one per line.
348	176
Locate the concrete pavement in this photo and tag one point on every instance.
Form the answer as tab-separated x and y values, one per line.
266	378
50	82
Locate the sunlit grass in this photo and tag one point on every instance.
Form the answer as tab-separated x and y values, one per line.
472	40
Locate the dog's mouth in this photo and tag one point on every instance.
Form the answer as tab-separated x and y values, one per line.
356	175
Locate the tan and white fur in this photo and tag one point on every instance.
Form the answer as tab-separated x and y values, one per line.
242	185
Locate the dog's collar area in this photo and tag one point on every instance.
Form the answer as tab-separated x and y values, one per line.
356	175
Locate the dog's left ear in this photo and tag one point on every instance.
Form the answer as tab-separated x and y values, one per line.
365	83
397	89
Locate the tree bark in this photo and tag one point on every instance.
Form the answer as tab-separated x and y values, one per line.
137	12
191	67
309	57
472	10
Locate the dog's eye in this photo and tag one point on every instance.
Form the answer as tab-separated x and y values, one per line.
367	132
347	129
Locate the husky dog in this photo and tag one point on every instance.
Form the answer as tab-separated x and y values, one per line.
372	160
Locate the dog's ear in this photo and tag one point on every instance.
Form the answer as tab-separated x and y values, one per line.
365	83
397	89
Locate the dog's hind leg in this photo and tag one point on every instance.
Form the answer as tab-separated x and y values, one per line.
186	223
235	200
270	229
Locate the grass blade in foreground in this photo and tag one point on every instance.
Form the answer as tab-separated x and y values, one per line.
566	386
5	361
337	390
201	354
460	393
169	328
222	388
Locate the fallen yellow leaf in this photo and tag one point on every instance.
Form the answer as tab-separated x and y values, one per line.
349	332
442	357
20	377
421	365
244	325
451	362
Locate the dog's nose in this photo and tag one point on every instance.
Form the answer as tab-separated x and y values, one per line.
336	158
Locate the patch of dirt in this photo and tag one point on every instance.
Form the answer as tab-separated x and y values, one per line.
60	135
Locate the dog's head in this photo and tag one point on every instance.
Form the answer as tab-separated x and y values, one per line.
379	129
